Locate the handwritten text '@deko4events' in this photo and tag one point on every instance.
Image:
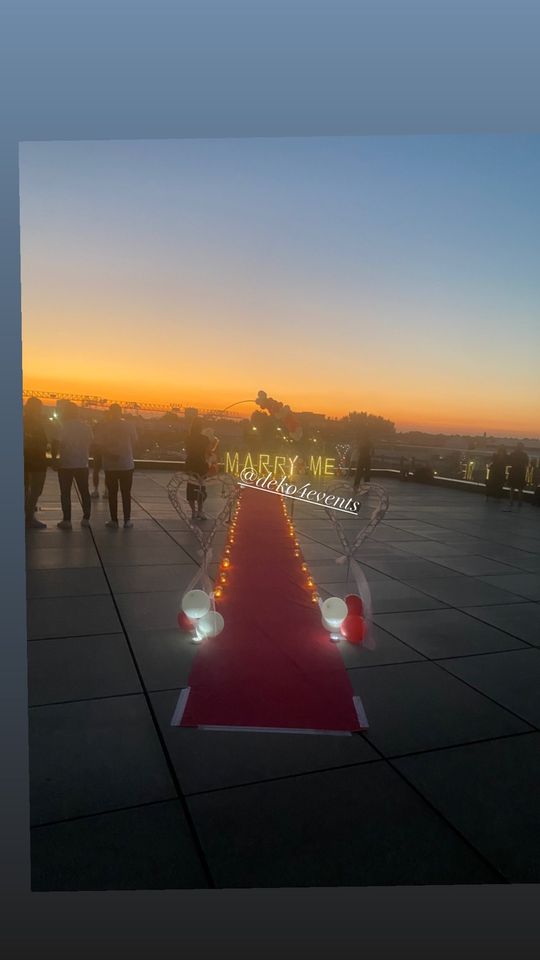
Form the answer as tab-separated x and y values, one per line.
305	493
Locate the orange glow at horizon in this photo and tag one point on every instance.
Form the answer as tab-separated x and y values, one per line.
391	407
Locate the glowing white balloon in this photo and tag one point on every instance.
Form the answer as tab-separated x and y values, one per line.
195	604
335	635
211	624
334	611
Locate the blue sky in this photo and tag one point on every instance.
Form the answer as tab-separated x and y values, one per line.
394	274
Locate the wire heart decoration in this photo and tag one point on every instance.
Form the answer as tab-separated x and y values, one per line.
227	491
373	500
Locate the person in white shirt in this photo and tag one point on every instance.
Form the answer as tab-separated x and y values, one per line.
70	451
118	439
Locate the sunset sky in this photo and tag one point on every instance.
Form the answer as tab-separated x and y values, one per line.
397	275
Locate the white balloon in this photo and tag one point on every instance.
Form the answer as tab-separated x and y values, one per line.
211	624
195	604
334	611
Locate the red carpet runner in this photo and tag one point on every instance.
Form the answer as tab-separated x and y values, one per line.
273	666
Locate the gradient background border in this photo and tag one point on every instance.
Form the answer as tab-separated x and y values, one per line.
127	69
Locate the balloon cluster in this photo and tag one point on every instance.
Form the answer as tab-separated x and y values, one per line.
354	626
281	412
198	615
345	616
197	618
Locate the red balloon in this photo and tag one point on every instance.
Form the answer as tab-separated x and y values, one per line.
353	628
354	604
184	622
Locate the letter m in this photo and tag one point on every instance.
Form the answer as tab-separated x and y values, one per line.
231	464
315	466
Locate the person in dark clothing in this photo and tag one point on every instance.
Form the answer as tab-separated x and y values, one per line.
403	468
363	465
198	448
519	461
35	460
118	440
70	451
497	474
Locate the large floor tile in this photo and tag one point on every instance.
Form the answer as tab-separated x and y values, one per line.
66	582
510	555
144	848
93	756
465	591
71	617
474	566
357	826
328	571
164	657
212	759
529	565
317	551
149	611
150	579
521	620
523	584
370	548
76	538
391	595
407	568
446	633
434	548
80	668
419	706
489	792
144	556
48	558
387	534
382	648
512	679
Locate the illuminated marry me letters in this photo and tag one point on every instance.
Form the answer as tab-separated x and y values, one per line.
278	465
306	493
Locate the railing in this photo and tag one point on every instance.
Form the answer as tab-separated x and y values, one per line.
473	486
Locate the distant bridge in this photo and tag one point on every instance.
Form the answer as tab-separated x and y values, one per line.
136	406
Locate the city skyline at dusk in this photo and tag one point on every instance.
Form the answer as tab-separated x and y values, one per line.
395	275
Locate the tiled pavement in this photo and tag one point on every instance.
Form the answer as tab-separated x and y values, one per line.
443	788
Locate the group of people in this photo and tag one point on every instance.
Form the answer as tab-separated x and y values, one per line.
517	461
110	444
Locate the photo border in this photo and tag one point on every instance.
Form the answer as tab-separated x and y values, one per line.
214	69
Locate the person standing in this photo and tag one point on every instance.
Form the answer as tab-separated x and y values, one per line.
198	449
519	461
363	465
497	474
118	439
96	452
35	460
71	450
